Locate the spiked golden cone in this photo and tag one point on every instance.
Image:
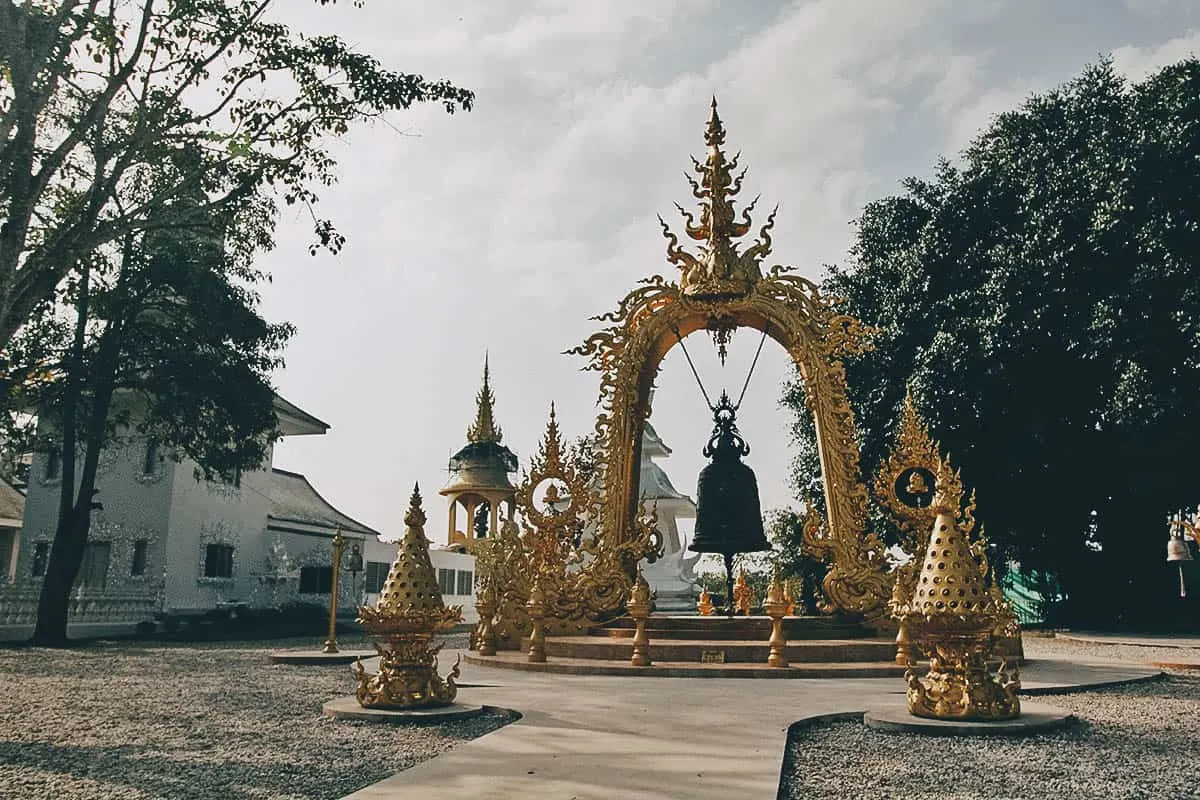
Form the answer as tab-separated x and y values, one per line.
410	597
949	583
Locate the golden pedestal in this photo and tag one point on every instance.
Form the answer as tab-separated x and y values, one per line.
403	623
639	607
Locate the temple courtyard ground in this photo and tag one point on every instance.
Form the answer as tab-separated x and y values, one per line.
157	720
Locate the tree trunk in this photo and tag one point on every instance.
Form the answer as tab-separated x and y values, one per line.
66	556
75	508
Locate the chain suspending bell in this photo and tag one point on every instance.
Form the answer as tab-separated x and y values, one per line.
728	511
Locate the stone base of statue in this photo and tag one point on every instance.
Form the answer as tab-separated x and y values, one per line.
674	593
959	685
1035	718
349	708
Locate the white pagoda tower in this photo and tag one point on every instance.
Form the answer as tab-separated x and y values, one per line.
671	577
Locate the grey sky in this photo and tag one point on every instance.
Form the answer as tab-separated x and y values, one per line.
507	228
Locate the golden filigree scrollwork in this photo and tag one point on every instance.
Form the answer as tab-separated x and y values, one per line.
720	287
719	269
579	582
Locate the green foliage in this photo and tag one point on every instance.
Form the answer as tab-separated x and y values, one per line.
1043	300
96	97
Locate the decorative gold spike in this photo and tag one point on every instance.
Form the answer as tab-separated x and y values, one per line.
719	270
485	428
403	622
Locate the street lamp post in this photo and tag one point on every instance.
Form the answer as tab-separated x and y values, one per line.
339	544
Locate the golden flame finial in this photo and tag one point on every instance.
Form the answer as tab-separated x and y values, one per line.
485	428
718	269
550	450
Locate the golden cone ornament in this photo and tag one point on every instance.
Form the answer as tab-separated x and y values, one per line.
950	619
403	622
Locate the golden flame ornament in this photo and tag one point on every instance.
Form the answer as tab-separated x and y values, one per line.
950	619
743	595
403	622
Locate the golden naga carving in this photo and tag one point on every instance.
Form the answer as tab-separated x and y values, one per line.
580	580
403	623
950	619
915	484
722	288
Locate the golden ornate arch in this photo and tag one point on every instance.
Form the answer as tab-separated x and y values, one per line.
721	289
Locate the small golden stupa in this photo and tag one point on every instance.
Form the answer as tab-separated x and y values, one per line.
705	605
409	612
950	619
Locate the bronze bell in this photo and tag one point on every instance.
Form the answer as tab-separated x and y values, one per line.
728	513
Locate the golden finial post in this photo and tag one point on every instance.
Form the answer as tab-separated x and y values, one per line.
485	636
536	608
339	545
639	607
776	606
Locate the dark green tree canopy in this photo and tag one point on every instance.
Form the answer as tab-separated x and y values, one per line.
1042	297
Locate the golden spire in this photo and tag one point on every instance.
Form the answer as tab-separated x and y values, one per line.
411	584
485	428
718	269
550	450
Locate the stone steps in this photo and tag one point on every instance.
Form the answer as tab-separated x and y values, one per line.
666	669
596	648
697	628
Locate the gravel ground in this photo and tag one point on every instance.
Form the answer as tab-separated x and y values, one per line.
153	720
1137	741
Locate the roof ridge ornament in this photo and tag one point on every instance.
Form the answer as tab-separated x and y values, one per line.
485	428
718	269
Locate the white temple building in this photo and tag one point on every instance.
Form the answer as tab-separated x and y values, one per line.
167	546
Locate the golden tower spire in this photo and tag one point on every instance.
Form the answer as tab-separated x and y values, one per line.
718	269
485	428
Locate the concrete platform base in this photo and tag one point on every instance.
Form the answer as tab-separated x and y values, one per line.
1035	718
317	658
348	708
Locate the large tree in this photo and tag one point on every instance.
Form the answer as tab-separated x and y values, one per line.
93	92
1042	298
158	340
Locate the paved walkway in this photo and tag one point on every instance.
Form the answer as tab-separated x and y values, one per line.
1131	639
600	737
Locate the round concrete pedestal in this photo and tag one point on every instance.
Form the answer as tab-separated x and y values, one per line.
317	658
348	708
1035	718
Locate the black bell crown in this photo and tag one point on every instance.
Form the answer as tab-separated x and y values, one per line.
728	513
